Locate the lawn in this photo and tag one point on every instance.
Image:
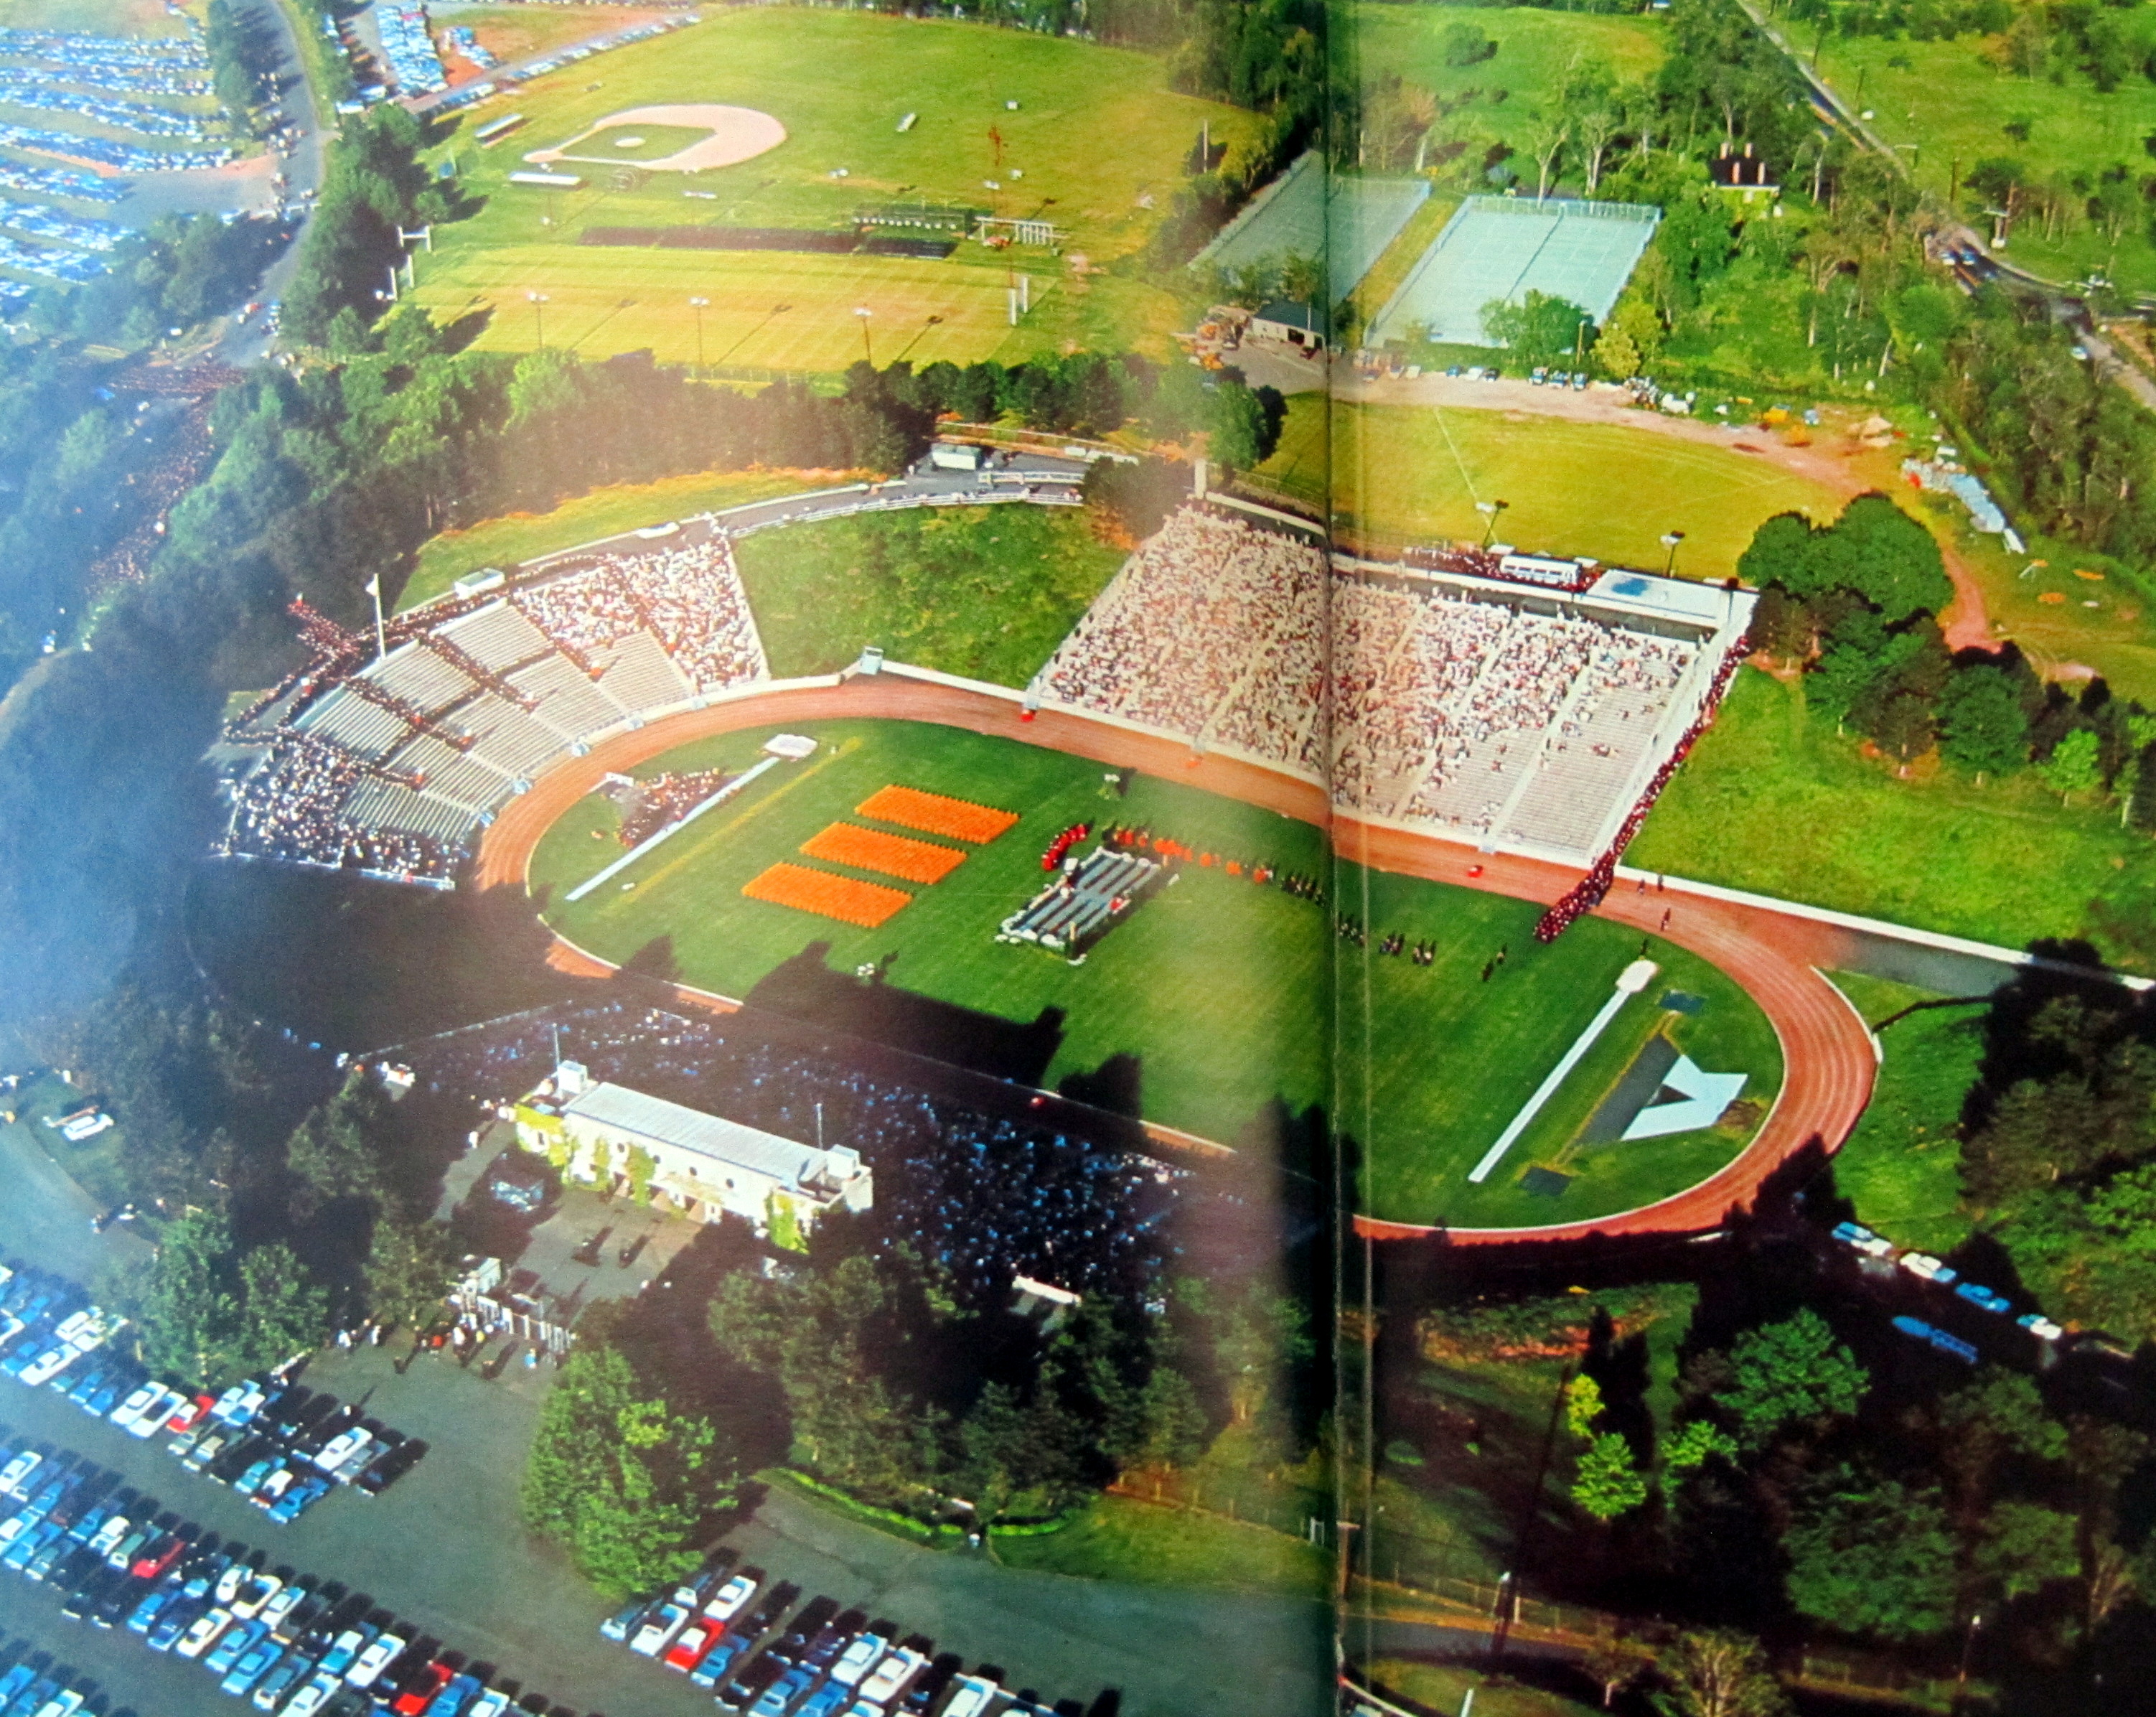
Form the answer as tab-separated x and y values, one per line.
1150	1544
1946	107
1535	48
1902	1166
2003	863
1215	986
1422	1120
1417	471
97	1165
591	518
1089	137
983	592
1213	991
1444	1688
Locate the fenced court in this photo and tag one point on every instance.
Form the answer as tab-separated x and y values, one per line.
1503	248
1294	216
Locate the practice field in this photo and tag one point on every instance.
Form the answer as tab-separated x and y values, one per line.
1206	1004
1091	138
1499	250
1415	472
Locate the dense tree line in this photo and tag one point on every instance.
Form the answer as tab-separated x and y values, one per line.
890	1390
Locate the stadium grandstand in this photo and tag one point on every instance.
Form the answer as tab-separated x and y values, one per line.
388	763
1509	701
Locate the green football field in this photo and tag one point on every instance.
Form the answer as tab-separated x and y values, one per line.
1094	143
1217	989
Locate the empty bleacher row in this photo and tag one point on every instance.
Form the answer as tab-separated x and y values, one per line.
393	769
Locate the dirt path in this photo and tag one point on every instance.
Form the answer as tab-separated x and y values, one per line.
1828	1063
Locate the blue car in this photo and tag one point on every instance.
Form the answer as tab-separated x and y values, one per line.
458	1692
13	1682
77	1389
296	1501
144	1615
726	1651
176	1621
240	1638
1954	1345
778	1698
1980	1295
28	1545
827	1701
251	1666
34	1696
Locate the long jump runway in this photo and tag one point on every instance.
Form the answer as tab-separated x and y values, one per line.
1827	1055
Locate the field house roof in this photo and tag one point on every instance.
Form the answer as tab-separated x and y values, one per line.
713	1136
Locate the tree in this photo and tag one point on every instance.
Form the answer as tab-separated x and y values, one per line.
1873	1559
617	1478
1465	44
1982	726
1788	1374
1609	1482
1695	1444
1717	1673
2072	766
287	1316
2025	1547
1615	354
407	1271
1540	330
1613	1664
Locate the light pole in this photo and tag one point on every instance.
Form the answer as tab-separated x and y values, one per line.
868	351
1489	510
700	305
1968	1641
539	315
1669	540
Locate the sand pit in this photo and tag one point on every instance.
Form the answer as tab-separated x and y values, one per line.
730	134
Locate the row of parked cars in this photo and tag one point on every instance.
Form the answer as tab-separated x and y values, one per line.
286	1644
283	1448
1927	1268
726	1629
32	1685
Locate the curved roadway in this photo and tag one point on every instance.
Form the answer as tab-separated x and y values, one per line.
1827	1053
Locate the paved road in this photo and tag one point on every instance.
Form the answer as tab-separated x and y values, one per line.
301	165
1827	1055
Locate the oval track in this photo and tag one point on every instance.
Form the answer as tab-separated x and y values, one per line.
1827	1055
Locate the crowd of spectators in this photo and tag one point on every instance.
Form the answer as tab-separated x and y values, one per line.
289	807
690	597
1214	629
985	1196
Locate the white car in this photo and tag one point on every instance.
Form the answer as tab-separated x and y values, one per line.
367	1667
2038	1325
152	1418
278	1608
254	1595
729	1600
229	1582
975	1694
340	1449
198	1638
84	1127
17	1472
108	1536
490	1704
74	1323
900	1668
63	1703
313	1695
239	1403
1924	1265
137	1403
658	1632
14	1526
49	1363
855	1662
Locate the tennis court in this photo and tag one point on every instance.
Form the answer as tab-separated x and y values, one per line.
1505	248
1294	216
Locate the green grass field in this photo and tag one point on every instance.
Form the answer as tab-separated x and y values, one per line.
1946	107
1901	1166
2004	863
1443	1687
1094	143
1423	1120
1586	489
1216	987
1149	1544
589	518
1535	48
985	592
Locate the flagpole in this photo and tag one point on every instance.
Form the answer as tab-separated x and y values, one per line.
381	633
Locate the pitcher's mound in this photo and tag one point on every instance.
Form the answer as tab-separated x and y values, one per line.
728	135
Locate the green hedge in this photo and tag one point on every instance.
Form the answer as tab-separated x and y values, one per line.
883	1519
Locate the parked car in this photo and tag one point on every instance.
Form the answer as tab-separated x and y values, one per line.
367	1668
658	1629
730	1599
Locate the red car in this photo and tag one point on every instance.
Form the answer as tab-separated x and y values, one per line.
419	1692
689	1650
159	1556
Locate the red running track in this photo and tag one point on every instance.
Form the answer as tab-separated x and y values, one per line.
1827	1055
